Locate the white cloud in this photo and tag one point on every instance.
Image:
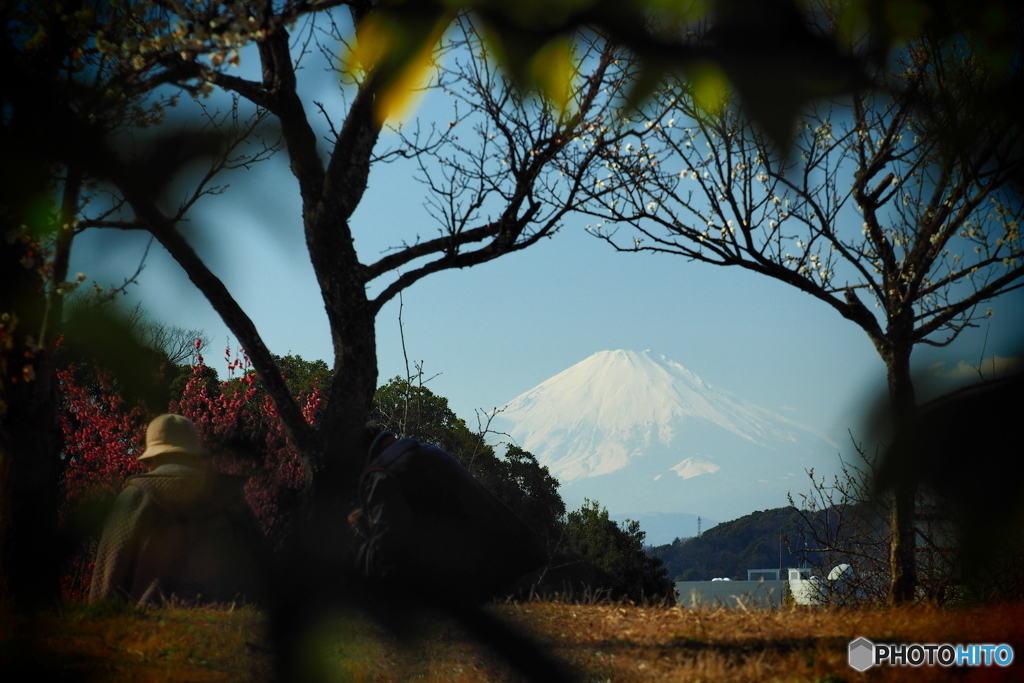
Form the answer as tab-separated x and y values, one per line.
993	366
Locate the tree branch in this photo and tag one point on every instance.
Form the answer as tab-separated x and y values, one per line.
163	229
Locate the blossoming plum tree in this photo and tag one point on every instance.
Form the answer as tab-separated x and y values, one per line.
104	434
240	426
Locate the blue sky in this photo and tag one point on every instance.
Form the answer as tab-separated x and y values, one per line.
490	333
494	331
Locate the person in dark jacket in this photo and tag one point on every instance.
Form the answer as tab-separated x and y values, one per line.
180	530
424	520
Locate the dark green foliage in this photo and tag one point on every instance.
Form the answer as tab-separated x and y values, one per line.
591	554
731	548
601	555
303	376
137	371
542	507
415	411
517	478
184	373
142	360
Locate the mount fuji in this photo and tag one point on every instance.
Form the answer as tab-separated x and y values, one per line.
646	437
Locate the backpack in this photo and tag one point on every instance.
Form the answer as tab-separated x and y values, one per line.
427	524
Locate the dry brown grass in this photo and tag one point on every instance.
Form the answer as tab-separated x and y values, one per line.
623	643
171	644
604	642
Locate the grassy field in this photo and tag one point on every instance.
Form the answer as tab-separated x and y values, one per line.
603	642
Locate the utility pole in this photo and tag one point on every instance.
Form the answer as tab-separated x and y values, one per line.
698	527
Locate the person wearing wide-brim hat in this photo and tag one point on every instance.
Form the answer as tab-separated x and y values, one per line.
180	530
171	437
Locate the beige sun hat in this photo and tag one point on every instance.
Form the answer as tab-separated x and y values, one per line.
171	434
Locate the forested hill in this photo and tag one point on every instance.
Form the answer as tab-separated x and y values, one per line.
731	548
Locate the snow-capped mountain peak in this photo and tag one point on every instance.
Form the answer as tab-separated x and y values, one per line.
621	418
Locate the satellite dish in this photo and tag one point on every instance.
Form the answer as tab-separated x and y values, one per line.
839	571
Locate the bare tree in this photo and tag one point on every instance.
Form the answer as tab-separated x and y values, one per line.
498	177
82	81
842	522
178	343
488	174
489	195
874	212
100	139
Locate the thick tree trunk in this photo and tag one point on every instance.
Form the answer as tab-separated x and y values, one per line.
903	544
30	435
317	572
342	431
30	445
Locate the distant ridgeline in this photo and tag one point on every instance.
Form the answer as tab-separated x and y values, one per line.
729	549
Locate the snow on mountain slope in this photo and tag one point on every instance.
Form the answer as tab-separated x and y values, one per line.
641	433
692	467
594	417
